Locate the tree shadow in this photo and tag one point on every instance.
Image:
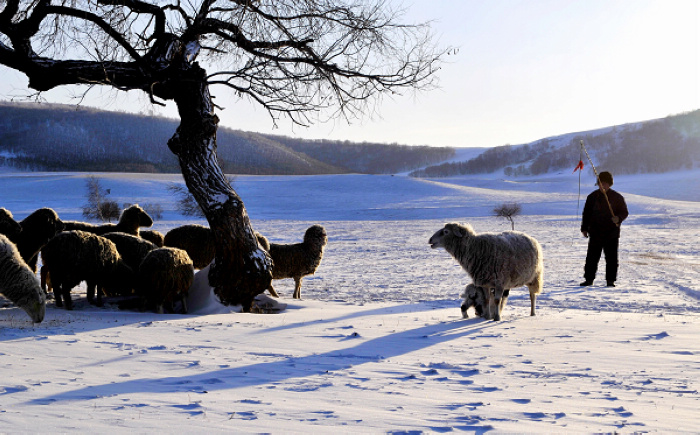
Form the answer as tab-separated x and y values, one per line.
399	308
288	367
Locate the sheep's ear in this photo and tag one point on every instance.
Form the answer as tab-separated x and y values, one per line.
459	232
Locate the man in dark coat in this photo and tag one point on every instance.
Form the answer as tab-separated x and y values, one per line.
602	228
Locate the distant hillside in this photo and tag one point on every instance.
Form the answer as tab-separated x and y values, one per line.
66	138
655	146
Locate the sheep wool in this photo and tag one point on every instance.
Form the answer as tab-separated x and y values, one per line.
18	283
196	240
153	236
496	262
8	225
165	275
299	259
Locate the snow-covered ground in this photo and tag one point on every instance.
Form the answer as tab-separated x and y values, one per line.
377	344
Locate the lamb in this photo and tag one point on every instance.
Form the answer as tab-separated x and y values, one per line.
473	297
165	275
131	219
18	283
496	262
198	241
8	225
299	259
37	229
75	256
153	236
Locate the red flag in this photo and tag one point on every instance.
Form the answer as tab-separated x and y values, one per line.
579	166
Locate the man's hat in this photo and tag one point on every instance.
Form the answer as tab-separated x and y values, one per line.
605	177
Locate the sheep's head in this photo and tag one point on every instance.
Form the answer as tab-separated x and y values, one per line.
316	235
136	215
450	231
37	308
44	223
8	225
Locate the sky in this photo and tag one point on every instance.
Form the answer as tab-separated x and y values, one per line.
520	71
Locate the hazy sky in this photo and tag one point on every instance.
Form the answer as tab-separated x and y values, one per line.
523	70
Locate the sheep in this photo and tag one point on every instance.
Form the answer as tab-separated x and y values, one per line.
18	283
75	256
299	259
496	262
165	275
131	248
131	219
199	243
37	229
473	297
8	225
197	240
153	236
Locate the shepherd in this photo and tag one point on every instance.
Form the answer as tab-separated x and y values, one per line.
603	213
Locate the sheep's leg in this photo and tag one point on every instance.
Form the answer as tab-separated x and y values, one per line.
464	308
44	273
66	297
491	306
184	304
297	288
159	309
272	291
58	296
533	298
495	302
504	300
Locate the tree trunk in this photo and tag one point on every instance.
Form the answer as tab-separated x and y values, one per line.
241	269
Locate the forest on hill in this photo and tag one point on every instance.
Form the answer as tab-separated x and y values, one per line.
656	146
51	137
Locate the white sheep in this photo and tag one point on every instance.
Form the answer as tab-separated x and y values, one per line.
18	283
496	262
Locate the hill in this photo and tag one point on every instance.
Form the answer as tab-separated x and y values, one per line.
68	138
654	146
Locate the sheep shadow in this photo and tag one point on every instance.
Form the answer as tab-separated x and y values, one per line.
83	318
393	309
287	367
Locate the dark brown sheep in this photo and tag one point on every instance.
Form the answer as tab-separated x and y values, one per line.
130	221
153	236
37	229
75	256
8	225
299	259
164	276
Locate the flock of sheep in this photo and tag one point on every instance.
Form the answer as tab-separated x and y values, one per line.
123	260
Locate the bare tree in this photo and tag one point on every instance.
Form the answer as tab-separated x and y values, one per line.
303	59
508	211
97	206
